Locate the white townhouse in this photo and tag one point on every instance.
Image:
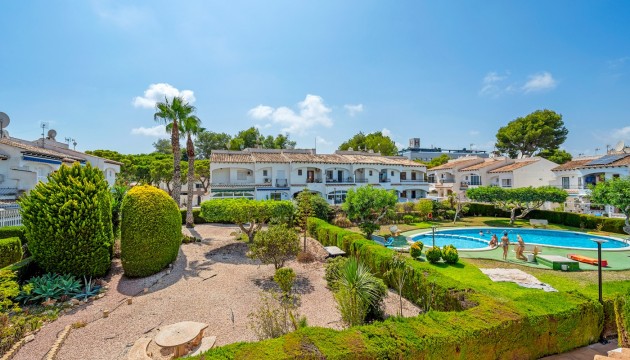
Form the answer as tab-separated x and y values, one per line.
534	172
24	163
281	174
459	175
576	176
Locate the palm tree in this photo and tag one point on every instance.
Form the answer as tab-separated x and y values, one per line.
191	125
359	290
171	114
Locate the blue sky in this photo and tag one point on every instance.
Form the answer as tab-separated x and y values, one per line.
449	72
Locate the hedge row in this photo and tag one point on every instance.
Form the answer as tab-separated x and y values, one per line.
196	216
508	322
579	220
10	251
478	209
13	231
421	284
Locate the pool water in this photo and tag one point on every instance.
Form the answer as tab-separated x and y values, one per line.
470	238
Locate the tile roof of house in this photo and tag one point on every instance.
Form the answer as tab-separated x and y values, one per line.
573	164
513	166
481	165
78	154
308	156
39	151
451	164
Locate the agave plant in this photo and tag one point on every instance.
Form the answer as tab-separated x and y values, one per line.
359	290
49	286
90	289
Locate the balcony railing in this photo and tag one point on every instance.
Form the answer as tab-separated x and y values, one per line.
281	183
362	181
384	180
412	181
446	181
348	180
470	183
313	181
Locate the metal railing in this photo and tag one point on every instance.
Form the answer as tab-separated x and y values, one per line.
10	217
281	183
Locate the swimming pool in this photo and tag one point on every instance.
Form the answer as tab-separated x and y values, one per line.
470	238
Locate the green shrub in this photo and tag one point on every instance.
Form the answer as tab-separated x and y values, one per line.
68	221
408	219
118	194
284	277
359	290
449	254
9	290
321	208
275	246
197	216
622	318
10	251
416	249
433	254
333	265
14	231
150	231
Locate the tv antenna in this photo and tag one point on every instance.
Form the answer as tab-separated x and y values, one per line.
43	125
73	141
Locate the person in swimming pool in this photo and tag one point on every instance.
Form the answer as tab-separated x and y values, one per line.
494	241
520	248
505	243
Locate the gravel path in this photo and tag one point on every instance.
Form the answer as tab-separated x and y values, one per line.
212	282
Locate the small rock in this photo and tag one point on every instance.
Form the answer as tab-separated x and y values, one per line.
168	272
75	302
99	296
29	338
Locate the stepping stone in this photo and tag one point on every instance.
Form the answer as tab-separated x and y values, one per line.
139	350
206	344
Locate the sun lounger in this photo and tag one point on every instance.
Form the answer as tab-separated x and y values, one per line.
586	259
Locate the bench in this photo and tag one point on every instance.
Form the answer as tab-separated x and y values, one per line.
538	222
334	251
139	350
206	344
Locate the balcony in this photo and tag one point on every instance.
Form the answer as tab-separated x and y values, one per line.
402	181
282	183
313	181
361	181
348	180
446	181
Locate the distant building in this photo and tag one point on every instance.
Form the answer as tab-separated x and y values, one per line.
282	174
415	152
24	163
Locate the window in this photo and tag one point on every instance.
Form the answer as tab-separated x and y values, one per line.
197	186
241	175
392	173
506	182
403	176
300	172
275	196
565	182
370	172
475	180
580	182
265	173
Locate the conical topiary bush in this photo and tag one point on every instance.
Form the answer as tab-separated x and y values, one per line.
68	221
150	231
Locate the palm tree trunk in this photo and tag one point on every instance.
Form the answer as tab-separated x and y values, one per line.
177	157
190	151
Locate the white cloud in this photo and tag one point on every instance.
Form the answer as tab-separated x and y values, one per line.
473	132
160	91
621	134
399	145
311	112
492	84
353	109
155	131
386	132
540	82
321	140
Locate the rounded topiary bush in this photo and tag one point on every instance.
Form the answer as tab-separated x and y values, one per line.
433	254
151	231
68	221
449	254
10	251
416	249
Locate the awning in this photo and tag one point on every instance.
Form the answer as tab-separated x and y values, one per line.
230	190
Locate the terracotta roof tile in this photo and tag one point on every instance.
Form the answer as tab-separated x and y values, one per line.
573	164
455	163
481	165
225	156
512	167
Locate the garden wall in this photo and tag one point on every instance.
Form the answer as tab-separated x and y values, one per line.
504	324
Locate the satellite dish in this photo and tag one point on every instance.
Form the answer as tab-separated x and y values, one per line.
620	146
51	134
4	122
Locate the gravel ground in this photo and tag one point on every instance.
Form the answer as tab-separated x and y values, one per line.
211	281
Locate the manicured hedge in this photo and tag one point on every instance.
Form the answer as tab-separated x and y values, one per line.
196	216
504	321
579	220
68	221
10	251
13	231
150	231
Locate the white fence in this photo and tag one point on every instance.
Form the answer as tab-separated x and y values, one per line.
10	217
